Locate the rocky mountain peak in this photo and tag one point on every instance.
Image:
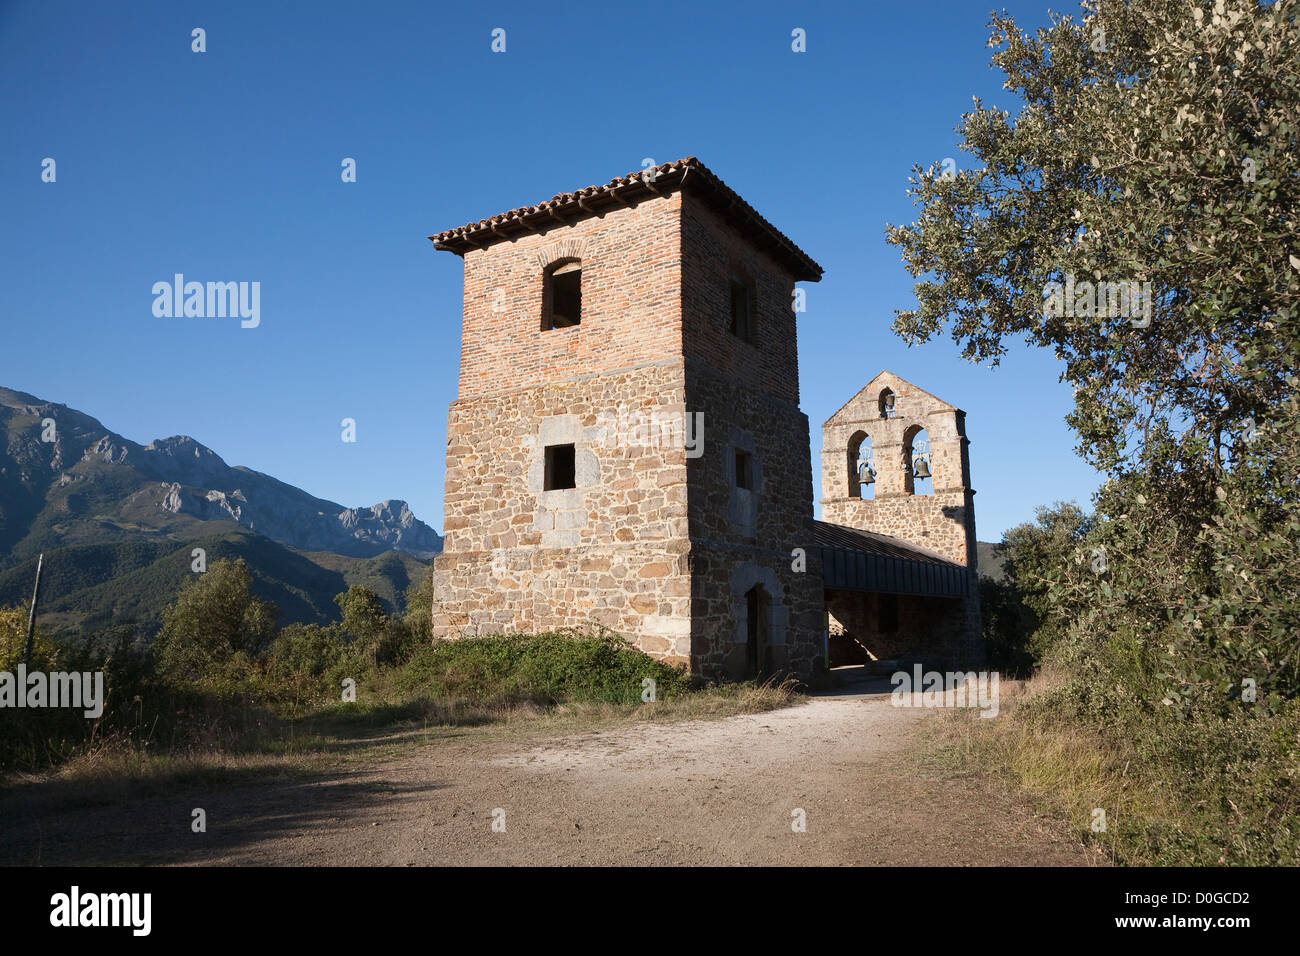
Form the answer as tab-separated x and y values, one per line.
181	476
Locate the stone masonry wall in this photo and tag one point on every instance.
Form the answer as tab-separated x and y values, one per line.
749	395
943	521
740	538
610	551
654	543
937	521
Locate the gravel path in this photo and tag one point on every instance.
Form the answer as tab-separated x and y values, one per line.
723	791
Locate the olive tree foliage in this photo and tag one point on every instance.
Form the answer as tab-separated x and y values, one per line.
1156	141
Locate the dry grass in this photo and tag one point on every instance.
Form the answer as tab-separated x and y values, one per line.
1066	771
115	769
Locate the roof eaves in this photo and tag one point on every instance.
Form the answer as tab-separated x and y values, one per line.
656	182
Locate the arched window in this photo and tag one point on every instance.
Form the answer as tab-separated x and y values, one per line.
562	295
862	467
917	462
887	403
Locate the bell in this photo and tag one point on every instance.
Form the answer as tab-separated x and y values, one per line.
867	475
922	469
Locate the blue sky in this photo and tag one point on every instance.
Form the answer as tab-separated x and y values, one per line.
225	165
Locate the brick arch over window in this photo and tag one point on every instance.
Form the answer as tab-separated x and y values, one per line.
556	252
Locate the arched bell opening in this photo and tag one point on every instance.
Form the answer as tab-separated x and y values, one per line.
862	467
918	463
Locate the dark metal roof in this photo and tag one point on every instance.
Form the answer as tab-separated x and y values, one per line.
856	560
656	182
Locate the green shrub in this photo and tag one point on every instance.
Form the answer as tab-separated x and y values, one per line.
215	617
543	668
1177	619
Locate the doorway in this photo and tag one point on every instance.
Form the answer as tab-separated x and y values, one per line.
758	646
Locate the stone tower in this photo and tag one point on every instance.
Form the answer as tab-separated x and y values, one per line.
626	445
885	427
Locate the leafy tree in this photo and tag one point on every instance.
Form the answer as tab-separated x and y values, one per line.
419	606
387	640
1156	142
1022	617
363	612
13	642
215	617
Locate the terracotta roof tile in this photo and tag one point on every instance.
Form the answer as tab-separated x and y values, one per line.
654	183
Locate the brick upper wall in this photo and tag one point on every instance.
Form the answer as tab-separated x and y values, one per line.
631	302
647	271
711	250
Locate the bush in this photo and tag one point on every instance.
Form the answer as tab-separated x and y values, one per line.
215	618
1176	617
13	642
32	738
544	668
219	676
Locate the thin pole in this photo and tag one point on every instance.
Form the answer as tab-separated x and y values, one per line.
31	615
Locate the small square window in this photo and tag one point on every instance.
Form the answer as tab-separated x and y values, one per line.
560	468
744	470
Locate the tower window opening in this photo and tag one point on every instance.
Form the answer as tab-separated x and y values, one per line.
744	470
563	295
742	309
561	470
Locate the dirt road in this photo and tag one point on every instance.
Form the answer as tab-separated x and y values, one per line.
727	791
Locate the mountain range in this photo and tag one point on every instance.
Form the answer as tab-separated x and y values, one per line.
118	521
